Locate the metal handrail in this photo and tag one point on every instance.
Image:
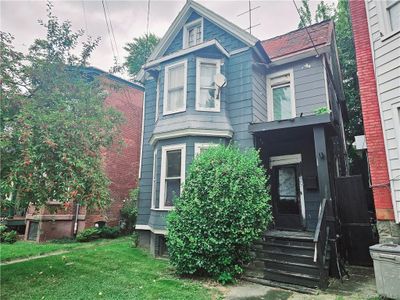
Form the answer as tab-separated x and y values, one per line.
321	229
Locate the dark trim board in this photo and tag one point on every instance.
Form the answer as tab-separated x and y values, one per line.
291	123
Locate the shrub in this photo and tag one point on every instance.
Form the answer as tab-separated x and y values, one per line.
109	232
7	236
91	234
223	209
129	210
88	235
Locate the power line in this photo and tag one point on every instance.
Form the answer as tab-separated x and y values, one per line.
112	29
84	15
148	18
309	35
108	29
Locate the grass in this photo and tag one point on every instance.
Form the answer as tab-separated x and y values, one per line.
23	249
100	271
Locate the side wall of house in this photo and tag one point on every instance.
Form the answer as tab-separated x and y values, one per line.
370	61
309	84
386	54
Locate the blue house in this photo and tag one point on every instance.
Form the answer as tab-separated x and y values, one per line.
210	82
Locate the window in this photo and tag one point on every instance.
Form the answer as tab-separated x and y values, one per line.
154	182
175	88
393	10
281	102
193	33
207	98
198	147
172	174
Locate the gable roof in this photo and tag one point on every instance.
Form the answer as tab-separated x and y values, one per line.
181	18
299	40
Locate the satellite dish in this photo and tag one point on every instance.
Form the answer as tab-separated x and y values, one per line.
220	80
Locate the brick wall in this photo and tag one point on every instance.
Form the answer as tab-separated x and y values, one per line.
121	165
121	162
371	113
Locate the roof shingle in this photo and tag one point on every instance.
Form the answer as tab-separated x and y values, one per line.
298	40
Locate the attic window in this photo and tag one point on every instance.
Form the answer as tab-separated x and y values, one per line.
193	33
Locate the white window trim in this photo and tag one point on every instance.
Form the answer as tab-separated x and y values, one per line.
164	150
154	181
284	160
185	41
292	159
166	112
384	21
217	62
198	146
157	96
270	100
142	136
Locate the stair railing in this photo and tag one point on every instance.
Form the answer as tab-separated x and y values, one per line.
321	237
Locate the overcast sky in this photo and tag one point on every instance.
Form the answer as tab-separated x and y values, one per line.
128	19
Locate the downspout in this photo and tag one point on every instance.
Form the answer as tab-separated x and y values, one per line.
76	219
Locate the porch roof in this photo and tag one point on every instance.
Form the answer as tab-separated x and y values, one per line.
311	120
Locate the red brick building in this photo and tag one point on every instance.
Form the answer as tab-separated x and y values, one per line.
378	69
121	165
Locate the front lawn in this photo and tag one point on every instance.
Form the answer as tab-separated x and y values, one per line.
112	270
23	249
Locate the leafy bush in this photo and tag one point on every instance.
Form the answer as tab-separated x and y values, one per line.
88	235
223	209
7	236
129	210
109	232
91	234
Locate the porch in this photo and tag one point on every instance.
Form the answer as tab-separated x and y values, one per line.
302	158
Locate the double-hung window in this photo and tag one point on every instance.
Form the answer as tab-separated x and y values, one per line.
281	102
207	94
175	88
172	174
193	33
393	11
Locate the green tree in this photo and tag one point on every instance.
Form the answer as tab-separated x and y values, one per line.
347	59
305	14
138	52
324	12
223	209
54	123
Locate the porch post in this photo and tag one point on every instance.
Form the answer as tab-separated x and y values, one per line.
322	162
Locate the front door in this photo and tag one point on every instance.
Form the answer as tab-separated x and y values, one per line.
286	197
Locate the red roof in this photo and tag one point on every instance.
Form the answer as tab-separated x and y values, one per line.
298	40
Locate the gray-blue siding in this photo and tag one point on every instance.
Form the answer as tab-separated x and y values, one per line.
157	217
309	82
210	32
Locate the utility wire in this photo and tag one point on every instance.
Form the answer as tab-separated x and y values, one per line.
108	29
148	18
309	35
111	27
84	16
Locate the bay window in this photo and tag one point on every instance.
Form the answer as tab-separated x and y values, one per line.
175	88
172	174
207	96
281	102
